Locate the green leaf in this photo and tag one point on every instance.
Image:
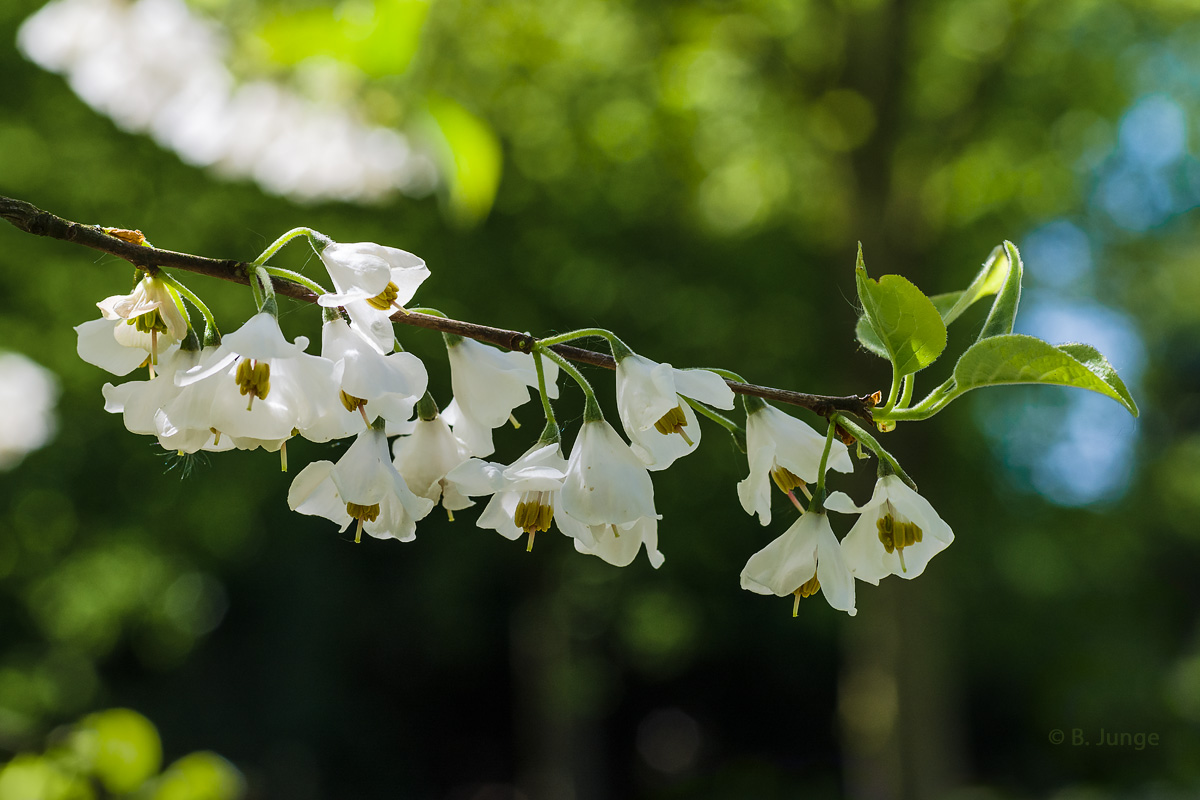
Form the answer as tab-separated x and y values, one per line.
907	328
950	305
1004	309
1016	358
989	281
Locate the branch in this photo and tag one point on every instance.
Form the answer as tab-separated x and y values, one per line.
33	220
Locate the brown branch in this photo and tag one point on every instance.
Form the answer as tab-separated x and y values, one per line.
33	220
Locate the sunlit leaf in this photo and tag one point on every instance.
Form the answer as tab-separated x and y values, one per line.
1004	309
1016	358
907	327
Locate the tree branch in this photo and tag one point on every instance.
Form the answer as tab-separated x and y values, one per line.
33	220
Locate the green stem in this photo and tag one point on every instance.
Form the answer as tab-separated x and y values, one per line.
582	333
861	435
175	284
906	396
893	393
591	408
736	431
934	402
819	494
269	303
296	277
318	240
541	376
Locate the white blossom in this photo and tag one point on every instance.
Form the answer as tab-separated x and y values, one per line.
660	424
488	384
807	557
897	533
426	456
372	282
785	450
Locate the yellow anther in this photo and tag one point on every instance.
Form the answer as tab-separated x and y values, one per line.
787	480
806	589
253	379
534	512
673	422
351	402
897	532
384	300
150	321
362	514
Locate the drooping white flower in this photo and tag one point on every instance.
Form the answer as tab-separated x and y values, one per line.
619	545
608	488
97	345
372	384
28	394
363	485
141	402
265	386
660	424
426	456
184	421
372	282
897	533
785	450
807	557
488	384
526	495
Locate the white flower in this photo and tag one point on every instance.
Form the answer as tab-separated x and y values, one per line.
372	384
619	545
425	458
488	384
372	282
363	486
28	394
781	448
150	311
606	483
897	533
660	424
807	557
97	345
526	495
140	402
183	421
265	387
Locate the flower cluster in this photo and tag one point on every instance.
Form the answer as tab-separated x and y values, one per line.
253	388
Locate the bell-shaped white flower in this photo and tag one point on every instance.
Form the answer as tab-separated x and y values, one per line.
897	533
183	421
488	384
140	402
363	485
785	450
619	545
526	495
151	310
266	387
372	384
426	456
807	557
372	282
660	424
606	484
97	344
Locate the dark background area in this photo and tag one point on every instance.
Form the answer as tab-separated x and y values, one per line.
693	176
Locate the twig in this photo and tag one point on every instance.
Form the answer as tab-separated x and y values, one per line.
33	220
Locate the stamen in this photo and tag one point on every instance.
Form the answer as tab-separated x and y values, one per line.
896	532
529	547
386	299
362	514
283	457
787	480
795	502
253	379
216	436
514	422
806	589
673	422
449	515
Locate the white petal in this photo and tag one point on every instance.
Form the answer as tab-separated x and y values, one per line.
606	483
98	346
313	492
707	387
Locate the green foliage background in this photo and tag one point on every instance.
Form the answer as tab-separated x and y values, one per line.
694	176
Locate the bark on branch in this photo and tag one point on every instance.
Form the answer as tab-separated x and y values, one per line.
33	220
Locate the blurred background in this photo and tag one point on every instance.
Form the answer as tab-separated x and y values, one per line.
694	176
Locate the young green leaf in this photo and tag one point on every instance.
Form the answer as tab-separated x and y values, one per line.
1004	308
906	325
1016	358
